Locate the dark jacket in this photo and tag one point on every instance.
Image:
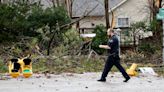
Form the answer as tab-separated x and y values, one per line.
113	43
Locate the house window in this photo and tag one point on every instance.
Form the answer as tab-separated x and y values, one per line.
123	22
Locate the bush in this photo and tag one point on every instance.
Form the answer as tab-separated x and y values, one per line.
147	48
101	38
3	67
13	21
154	26
70	45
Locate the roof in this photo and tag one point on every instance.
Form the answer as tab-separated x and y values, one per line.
81	7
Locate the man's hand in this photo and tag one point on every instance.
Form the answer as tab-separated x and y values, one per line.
101	46
104	46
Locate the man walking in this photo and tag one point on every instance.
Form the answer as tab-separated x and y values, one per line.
113	56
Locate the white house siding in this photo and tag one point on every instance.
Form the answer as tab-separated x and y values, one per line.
135	10
89	21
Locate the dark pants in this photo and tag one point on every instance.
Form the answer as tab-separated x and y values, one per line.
113	60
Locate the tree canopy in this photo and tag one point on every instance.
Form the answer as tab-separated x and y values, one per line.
23	18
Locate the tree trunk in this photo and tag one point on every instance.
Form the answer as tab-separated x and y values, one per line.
57	3
158	31
107	13
134	40
49	45
69	5
52	38
53	2
50	42
71	1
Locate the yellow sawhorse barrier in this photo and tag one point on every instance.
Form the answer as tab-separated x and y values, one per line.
132	70
18	66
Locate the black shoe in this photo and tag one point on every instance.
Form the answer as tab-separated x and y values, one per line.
126	80
102	80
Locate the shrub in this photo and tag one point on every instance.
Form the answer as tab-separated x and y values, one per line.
147	48
101	38
3	67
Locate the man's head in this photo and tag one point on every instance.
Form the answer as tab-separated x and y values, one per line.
110	32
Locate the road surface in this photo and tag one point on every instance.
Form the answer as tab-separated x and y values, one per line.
82	83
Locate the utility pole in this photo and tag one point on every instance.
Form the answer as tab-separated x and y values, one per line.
106	2
163	41
160	16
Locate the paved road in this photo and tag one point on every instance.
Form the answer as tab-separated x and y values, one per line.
82	83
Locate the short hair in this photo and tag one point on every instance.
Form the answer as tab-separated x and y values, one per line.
110	30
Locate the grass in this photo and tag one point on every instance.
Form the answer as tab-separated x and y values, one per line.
74	65
71	65
159	70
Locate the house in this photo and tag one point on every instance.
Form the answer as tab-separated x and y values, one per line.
125	12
